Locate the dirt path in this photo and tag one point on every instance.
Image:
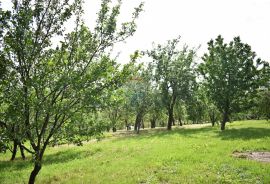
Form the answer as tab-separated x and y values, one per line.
258	156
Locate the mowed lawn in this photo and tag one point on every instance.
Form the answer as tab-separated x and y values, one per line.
200	155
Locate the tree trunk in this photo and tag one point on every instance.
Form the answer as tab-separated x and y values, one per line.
153	123
34	173
14	151
170	119
138	122
225	120
212	118
126	123
22	151
180	122
114	129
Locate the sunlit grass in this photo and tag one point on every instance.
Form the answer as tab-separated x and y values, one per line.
202	155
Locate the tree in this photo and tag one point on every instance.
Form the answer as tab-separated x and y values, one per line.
264	93
52	84
139	96
264	103
10	139
180	112
114	107
196	109
156	109
231	72
213	113
173	73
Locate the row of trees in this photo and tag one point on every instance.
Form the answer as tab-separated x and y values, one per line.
72	89
229	81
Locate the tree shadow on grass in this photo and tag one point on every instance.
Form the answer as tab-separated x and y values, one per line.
186	132
214	132
54	158
244	133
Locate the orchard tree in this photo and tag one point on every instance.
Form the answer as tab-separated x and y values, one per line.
139	96
213	113
196	110
180	112
127	110
52	84
264	103
173	72
156	109
114	107
231	73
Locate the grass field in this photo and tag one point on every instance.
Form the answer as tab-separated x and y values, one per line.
198	155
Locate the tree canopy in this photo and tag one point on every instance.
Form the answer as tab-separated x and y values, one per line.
50	85
173	73
231	73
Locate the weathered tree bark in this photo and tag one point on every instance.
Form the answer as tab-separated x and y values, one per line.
14	151
17	144
225	120
22	151
34	173
170	113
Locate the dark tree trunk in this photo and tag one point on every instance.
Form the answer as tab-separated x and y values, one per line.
14	151
126	123
213	118
22	151
225	120
138	122
153	123
170	119
114	129
34	173
180	122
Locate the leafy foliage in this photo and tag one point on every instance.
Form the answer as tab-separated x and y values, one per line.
52	85
173	73
231	72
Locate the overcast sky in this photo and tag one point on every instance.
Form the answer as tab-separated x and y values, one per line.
197	21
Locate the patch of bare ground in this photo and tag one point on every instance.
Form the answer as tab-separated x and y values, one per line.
260	156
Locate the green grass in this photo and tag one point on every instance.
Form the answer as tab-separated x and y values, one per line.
202	155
